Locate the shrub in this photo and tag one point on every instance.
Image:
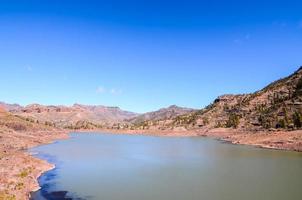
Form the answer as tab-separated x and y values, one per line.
298	89
205	120
281	124
24	173
5	196
16	126
218	125
233	121
297	119
19	186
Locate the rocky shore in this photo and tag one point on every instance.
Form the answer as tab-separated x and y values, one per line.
19	170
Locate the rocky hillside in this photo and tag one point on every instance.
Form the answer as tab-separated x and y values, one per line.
277	106
164	113
19	171
10	123
76	116
90	117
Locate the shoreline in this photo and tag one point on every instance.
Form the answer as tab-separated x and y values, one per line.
50	166
233	137
20	169
214	133
279	140
217	134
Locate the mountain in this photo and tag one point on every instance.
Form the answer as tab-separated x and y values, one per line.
11	123
277	106
80	116
164	113
19	169
74	116
10	107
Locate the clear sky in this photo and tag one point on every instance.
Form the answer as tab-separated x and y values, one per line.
144	55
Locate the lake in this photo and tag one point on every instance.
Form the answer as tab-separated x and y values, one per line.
133	167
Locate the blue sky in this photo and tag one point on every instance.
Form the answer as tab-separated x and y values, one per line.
144	55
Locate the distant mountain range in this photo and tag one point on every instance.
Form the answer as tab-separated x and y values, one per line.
65	116
88	116
163	113
277	106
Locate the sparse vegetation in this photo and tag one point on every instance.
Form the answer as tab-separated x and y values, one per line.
281	124
278	106
4	195
24	173
297	119
205	120
83	125
19	186
298	89
233	121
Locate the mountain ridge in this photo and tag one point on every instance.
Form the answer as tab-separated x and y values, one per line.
276	106
167	112
80	116
67	116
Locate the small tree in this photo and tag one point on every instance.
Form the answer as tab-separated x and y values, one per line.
281	124
298	89
218	125
297	119
205	120
233	121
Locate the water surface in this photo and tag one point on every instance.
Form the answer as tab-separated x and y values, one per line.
127	167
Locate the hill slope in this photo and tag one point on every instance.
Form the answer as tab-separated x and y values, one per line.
76	116
164	113
277	106
19	170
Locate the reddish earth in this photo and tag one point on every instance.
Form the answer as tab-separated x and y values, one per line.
285	140
19	170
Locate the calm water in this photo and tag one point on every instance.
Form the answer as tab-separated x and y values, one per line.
123	167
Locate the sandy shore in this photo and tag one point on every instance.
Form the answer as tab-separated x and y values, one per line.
19	170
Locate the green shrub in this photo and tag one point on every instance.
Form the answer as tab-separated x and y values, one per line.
281	124
24	173
298	89
233	121
205	120
297	119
